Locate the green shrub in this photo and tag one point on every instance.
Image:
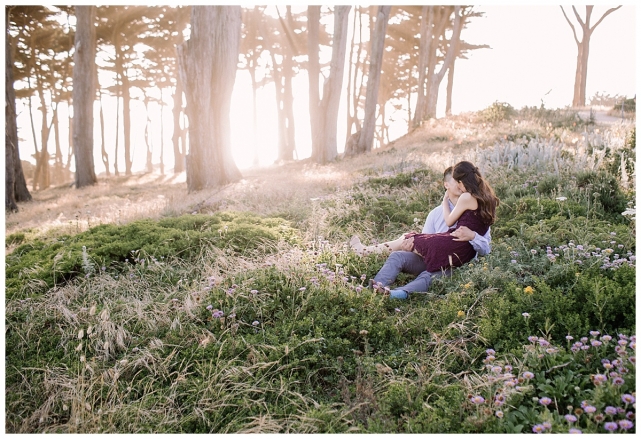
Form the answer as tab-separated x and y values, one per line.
497	112
42	264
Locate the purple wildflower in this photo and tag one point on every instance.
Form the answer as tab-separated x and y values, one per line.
575	431
611	426
625	424
538	428
570	418
545	401
609	410
627	398
478	399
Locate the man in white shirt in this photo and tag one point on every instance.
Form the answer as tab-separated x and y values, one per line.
406	261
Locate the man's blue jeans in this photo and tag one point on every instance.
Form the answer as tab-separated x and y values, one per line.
406	262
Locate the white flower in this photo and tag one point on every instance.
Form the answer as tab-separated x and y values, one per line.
561	198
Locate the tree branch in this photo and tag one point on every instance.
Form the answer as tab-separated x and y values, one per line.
608	12
578	17
571	25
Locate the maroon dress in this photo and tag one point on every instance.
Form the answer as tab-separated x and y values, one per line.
441	252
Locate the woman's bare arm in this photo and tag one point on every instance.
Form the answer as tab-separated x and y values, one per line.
465	202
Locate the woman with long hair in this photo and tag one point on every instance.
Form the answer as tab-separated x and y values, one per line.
475	209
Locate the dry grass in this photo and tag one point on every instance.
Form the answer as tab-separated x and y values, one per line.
267	191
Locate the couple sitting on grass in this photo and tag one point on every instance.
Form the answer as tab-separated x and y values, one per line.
453	234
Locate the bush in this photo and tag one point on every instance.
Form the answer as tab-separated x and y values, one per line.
43	264
497	112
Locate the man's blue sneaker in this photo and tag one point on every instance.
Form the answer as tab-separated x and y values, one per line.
398	294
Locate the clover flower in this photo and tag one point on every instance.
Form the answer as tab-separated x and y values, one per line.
611	426
545	401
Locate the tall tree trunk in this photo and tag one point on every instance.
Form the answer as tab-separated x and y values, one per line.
358	67
179	158
366	138
450	87
58	174
252	73
126	99
70	139
352	65
162	135
332	88
425	46
437	77
148	141
103	149
43	180
283	74
84	93
583	51
15	184
313	70
450	80
126	123
207	65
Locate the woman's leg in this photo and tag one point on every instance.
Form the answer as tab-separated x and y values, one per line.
389	246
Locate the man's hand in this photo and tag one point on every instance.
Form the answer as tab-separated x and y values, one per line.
408	244
463	234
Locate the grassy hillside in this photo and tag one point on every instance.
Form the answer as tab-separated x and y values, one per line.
242	310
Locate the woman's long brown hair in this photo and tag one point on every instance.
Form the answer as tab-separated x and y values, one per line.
480	189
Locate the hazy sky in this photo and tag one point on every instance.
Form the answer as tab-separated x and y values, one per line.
533	51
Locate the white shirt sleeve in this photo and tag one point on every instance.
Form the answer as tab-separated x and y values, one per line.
435	222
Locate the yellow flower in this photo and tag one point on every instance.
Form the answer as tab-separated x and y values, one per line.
460	314
528	290
468	285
